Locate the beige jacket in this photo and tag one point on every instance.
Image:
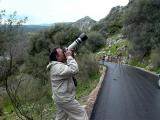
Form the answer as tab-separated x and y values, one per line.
61	78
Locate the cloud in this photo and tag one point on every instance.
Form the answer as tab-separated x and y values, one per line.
50	11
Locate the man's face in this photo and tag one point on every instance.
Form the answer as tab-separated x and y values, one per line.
60	55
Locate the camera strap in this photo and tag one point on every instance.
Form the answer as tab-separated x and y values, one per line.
75	81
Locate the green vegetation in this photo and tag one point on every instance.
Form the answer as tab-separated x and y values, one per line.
31	95
139	24
141	27
95	41
155	58
85	87
112	23
131	31
115	45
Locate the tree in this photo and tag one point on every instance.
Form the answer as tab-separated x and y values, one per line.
9	27
9	31
155	57
112	23
2	13
95	41
141	26
58	36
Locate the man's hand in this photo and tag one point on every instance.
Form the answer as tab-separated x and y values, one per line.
68	53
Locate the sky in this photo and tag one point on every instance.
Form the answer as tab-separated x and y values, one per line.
53	11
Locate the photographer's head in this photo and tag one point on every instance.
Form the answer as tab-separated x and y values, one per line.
57	55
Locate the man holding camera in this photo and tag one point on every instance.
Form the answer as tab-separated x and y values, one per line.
62	69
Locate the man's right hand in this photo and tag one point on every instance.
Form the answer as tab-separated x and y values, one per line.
68	53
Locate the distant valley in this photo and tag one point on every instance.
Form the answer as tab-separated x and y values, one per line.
83	24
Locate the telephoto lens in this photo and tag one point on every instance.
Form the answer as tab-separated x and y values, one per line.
83	37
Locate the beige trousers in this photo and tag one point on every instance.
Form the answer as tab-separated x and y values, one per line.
71	111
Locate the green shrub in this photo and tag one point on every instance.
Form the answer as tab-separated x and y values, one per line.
141	26
155	57
1	109
95	41
86	86
88	66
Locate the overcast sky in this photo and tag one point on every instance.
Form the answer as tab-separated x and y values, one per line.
51	11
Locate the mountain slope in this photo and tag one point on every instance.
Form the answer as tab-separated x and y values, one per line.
84	23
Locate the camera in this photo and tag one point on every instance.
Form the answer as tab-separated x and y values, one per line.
83	37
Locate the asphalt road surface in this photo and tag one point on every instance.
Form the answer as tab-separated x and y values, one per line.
127	93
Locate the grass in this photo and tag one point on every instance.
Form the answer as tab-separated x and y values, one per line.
50	108
156	70
86	86
9	117
116	48
83	89
146	64
7	105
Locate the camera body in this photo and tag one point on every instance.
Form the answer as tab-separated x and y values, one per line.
83	37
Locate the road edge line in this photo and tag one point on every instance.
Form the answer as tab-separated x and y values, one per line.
93	95
153	73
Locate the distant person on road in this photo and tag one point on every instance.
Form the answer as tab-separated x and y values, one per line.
159	80
106	58
62	68
103	59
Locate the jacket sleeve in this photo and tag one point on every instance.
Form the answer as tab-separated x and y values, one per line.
70	69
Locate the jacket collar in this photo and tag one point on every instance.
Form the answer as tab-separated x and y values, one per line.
52	63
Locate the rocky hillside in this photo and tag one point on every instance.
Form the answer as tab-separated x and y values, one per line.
84	23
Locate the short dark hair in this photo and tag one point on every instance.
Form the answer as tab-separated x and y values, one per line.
53	54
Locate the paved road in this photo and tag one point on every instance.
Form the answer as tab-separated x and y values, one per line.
127	94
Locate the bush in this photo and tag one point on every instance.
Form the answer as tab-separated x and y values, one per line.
88	66
95	41
42	42
112	23
29	96
155	57
1	109
141	25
